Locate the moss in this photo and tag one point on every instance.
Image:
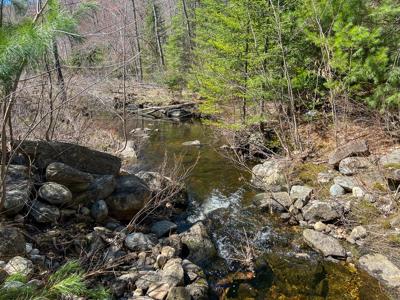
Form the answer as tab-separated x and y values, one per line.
395	240
364	212
392	166
377	186
308	172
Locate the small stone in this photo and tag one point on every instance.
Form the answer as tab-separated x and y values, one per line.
285	216
19	265
28	247
138	293
161	261
163	228
158	291
358	192
168	252
35	251
192	143
336	190
84	211
99	210
358	233
38	259
348	183
303	224
319	226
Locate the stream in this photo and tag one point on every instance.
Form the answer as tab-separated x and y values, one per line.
259	257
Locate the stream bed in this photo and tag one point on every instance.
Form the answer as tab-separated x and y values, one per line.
259	256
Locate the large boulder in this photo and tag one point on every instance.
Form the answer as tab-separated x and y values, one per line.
19	186
320	211
274	202
327	245
43	153
270	176
12	242
199	244
101	188
381	267
355	148
354	165
130	196
55	193
74	179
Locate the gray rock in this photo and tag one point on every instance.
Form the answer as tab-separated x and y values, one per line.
320	211
392	158
99	211
168	251
319	226
12	242
336	190
139	241
327	245
101	188
158	291
354	165
19	265
173	273
192	271
178	293
18	189
163	228
302	193
44	213
325	177
66	175
381	268
147	279
198	290
270	176
201	248
55	193
154	180
358	233
355	148
348	183
275	202
43	153
130	196
358	192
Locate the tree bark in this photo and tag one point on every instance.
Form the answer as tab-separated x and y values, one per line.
159	45
138	46
1	12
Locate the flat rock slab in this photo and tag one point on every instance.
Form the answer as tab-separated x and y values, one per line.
355	148
382	268
43	153
327	245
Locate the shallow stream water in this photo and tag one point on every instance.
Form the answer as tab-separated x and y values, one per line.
259	257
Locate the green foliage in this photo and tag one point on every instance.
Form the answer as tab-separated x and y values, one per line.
24	43
68	281
87	57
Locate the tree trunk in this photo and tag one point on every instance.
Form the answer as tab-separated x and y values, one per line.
1	12
159	45
60	76
138	47
188	26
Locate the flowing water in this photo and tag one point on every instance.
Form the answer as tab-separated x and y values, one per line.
260	258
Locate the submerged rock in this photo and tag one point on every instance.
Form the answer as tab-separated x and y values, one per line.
55	193
382	268
199	244
327	245
355	148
